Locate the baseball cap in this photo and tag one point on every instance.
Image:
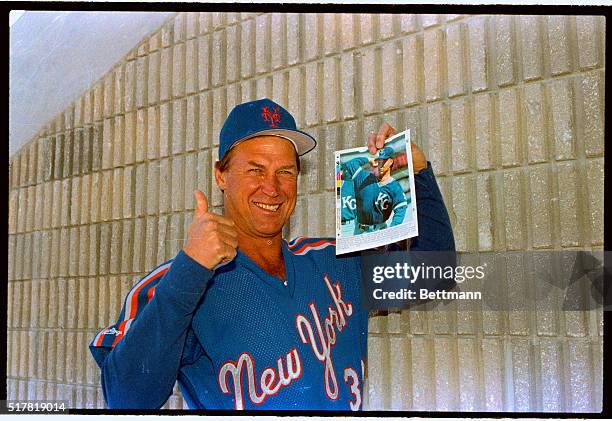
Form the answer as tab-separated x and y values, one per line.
386	152
259	118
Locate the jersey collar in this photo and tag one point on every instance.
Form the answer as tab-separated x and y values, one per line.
272	281
387	181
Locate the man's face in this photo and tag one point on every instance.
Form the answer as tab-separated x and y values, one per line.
383	167
260	185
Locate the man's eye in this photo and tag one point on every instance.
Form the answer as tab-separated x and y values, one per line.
286	172
255	170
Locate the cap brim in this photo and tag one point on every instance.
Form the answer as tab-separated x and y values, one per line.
302	141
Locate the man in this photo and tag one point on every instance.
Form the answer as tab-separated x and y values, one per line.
240	317
378	196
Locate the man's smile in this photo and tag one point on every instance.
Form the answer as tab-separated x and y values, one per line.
272	208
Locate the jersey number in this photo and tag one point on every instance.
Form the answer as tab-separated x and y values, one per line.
351	378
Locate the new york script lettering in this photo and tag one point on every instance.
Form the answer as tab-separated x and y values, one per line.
270	381
326	333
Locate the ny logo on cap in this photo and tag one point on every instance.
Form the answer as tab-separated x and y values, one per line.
272	117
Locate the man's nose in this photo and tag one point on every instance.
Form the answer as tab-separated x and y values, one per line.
270	185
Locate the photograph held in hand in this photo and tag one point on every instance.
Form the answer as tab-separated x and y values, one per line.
375	201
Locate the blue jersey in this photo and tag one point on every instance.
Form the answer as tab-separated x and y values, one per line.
347	200
375	201
239	338
249	342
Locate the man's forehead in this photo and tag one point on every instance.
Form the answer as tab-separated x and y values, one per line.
266	143
263	149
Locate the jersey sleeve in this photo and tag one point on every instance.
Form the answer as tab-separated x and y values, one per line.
140	355
399	205
347	197
435	231
353	167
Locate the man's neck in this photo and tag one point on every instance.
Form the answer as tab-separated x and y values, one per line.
267	253
385	178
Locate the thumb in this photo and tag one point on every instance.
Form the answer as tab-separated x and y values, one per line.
201	201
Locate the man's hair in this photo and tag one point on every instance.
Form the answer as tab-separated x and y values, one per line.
223	164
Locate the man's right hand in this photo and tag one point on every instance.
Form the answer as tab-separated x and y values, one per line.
377	141
212	238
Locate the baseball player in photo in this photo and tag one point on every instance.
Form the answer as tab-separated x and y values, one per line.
240	317
377	196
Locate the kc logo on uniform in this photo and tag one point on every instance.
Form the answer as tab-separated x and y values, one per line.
382	201
349	202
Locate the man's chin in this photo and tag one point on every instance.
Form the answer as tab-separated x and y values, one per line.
268	235
268	230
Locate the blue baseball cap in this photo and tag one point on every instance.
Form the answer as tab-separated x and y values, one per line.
260	118
386	152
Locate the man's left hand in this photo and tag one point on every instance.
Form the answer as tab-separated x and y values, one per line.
376	141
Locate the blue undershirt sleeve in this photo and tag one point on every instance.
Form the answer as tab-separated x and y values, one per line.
139	369
435	231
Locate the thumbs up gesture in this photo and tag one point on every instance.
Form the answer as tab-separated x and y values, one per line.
212	238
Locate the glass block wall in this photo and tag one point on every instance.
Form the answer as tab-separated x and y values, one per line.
509	109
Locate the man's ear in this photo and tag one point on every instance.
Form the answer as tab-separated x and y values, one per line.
220	179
